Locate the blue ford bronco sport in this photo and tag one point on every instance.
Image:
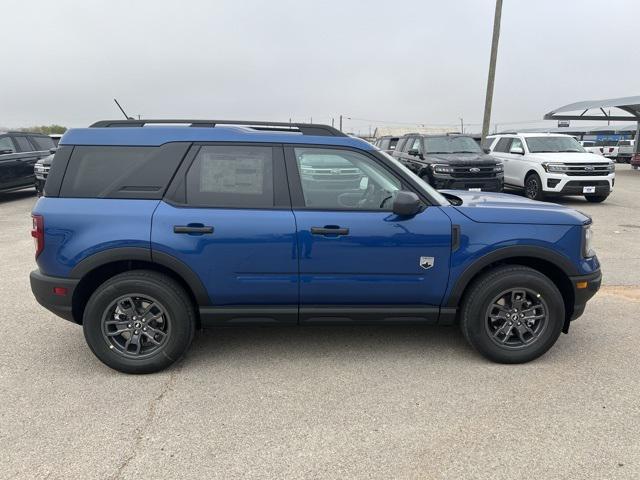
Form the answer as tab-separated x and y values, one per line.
151	229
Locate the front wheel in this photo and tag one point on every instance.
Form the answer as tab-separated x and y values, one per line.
512	314
596	198
139	322
533	187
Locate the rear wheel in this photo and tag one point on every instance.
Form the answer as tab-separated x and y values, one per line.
596	198
533	187
512	314
139	322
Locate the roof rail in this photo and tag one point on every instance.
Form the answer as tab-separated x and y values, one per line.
304	128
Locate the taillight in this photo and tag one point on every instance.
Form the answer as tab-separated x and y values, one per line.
37	232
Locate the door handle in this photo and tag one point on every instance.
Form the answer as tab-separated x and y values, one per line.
192	229
329	230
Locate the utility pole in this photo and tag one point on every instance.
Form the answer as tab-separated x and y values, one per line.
461	125
492	70
340	122
332	121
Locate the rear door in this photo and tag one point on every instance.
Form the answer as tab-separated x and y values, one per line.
501	150
228	217
10	164
358	260
28	158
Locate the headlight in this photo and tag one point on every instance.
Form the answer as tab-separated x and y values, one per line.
554	167
498	168
38	168
612	167
587	242
442	168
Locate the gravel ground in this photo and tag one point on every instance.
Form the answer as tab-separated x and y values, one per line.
334	402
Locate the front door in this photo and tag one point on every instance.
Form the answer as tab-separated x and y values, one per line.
230	221
358	260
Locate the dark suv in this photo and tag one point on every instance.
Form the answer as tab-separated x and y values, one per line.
387	143
450	162
19	151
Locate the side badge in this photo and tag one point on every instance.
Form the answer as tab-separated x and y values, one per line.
427	262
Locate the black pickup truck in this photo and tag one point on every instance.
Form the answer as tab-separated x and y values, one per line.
19	151
450	161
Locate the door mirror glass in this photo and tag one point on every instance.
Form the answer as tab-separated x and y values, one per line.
406	204
517	151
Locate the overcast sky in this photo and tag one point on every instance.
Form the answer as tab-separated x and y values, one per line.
422	61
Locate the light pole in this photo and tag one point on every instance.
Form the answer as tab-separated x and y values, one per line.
492	70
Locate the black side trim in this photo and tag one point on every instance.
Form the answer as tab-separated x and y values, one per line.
249	315
188	275
345	314
506	253
143	254
583	295
455	238
42	288
108	256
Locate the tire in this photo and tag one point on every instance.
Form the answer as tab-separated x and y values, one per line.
596	198
533	187
161	336
508	346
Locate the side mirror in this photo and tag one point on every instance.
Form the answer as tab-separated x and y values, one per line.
413	152
53	150
486	150
517	151
406	204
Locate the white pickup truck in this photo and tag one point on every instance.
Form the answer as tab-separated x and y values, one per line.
626	149
546	164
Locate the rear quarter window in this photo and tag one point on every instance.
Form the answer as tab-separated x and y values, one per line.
121	172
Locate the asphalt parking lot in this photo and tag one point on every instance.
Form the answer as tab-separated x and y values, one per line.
328	402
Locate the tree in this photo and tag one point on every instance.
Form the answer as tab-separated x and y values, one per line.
46	129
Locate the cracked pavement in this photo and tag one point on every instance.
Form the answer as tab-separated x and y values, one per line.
327	402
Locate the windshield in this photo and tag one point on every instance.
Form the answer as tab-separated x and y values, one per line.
553	144
451	145
437	196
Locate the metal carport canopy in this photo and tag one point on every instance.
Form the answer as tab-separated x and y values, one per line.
628	104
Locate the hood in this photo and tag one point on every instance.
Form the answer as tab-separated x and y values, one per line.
569	157
461	158
485	207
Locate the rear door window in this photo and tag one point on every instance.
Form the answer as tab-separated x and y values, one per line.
23	144
503	145
231	176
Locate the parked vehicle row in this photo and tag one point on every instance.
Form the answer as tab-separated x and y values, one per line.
145	234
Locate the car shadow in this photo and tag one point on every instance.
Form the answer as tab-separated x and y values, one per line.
308	343
17	195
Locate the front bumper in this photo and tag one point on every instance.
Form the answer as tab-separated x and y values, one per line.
573	185
584	287
446	182
49	293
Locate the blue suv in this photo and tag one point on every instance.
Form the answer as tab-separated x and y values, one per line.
150	229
